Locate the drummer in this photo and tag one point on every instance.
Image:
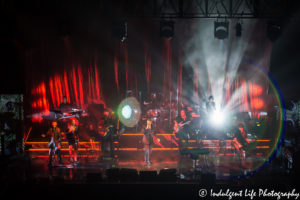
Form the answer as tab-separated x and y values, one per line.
65	106
152	102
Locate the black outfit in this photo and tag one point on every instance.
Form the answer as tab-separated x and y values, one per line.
71	135
94	134
148	135
108	139
70	138
148	143
210	107
185	129
184	132
65	107
238	135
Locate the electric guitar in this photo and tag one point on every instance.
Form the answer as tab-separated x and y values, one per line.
180	126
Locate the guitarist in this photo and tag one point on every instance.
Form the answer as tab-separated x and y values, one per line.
181	127
240	141
55	143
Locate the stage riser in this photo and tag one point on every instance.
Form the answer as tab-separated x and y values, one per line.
131	144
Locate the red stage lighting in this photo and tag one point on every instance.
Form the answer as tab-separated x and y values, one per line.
257	103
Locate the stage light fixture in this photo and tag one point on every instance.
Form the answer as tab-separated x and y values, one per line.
217	118
167	29
221	30
238	29
119	30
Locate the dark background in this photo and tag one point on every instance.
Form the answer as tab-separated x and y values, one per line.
284	62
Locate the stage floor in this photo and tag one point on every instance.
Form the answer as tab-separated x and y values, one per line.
129	153
223	166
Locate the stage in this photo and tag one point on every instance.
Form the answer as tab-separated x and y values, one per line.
109	97
220	158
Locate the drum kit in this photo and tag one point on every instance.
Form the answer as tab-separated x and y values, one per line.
73	113
158	114
57	115
153	114
163	114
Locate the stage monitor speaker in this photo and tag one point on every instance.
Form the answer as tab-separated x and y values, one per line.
128	174
44	181
58	180
208	179
148	175
167	175
94	177
112	174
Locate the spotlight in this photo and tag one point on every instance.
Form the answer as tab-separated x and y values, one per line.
238	29
221	30
129	112
119	30
217	118
167	29
126	111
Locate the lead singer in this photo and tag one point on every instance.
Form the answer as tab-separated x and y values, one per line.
148	142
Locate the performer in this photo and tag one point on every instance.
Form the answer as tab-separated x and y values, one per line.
152	102
181	129
65	106
209	130
210	105
55	143
240	141
93	136
111	124
72	137
148	142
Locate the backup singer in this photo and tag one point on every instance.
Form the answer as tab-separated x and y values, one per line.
72	137
55	143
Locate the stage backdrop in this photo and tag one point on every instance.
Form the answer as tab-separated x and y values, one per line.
88	65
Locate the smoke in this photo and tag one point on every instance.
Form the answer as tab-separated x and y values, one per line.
213	59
